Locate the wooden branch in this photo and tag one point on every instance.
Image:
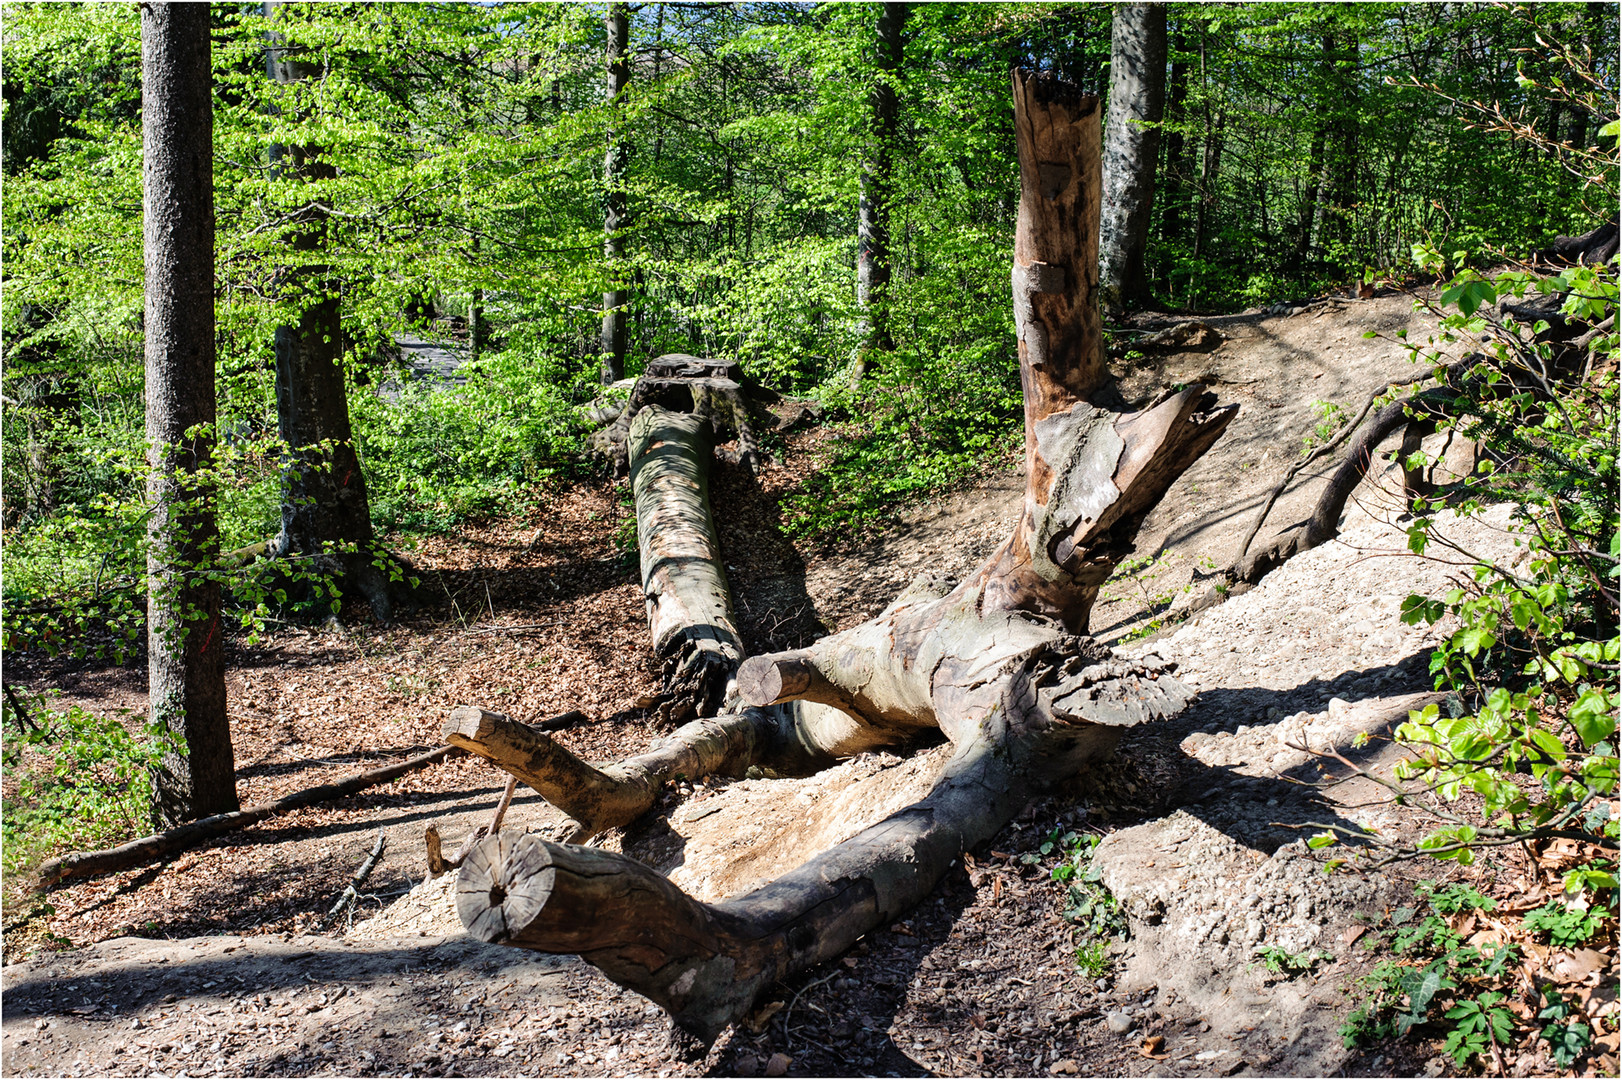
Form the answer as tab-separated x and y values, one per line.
351	892
605	798
161	845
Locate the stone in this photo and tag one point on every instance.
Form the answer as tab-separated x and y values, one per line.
1119	1022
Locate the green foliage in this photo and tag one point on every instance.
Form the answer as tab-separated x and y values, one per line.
1536	644
1477	1023
1567	1038
1432	966
1281	961
436	455
1094	914
83	781
1566	927
1331	418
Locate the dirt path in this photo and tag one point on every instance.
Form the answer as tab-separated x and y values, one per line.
543	615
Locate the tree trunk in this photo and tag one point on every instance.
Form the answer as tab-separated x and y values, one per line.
186	646
694	632
873	255
615	215
326	515
476	330
1307	210
1131	148
1342	200
1206	208
1175	177
997	664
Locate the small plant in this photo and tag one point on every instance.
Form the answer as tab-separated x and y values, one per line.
1089	907
1477	1022
1433	966
1331	418
1569	928
1567	1038
1281	961
1093	959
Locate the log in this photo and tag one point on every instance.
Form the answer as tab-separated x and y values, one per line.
706	964
714	389
999	663
80	864
694	631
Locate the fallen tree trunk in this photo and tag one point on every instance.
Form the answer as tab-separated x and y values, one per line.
705	964
999	664
695	634
81	864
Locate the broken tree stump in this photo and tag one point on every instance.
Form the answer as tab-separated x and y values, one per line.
1000	663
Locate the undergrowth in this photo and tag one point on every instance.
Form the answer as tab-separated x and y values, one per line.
1480	998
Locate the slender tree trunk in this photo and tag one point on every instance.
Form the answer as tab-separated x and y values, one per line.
873	254
186	668
1210	168
1131	149
1308	208
476	329
326	514
1342	200
615	214
1175	178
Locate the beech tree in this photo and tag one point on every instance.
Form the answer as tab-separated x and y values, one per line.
186	643
615	211
1137	93
878	186
326	516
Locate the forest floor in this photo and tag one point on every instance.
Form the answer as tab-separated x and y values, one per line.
209	963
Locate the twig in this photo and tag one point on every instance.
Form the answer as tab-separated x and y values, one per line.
352	891
23	719
507	629
788	1038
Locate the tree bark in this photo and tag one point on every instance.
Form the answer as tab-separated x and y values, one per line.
873	269
1175	180
326	515
615	214
1131	149
186	647
997	664
694	631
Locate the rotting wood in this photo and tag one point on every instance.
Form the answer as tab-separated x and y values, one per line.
80	864
998	663
714	389
790	740
690	617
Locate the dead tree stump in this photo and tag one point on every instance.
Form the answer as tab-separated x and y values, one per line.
1000	663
